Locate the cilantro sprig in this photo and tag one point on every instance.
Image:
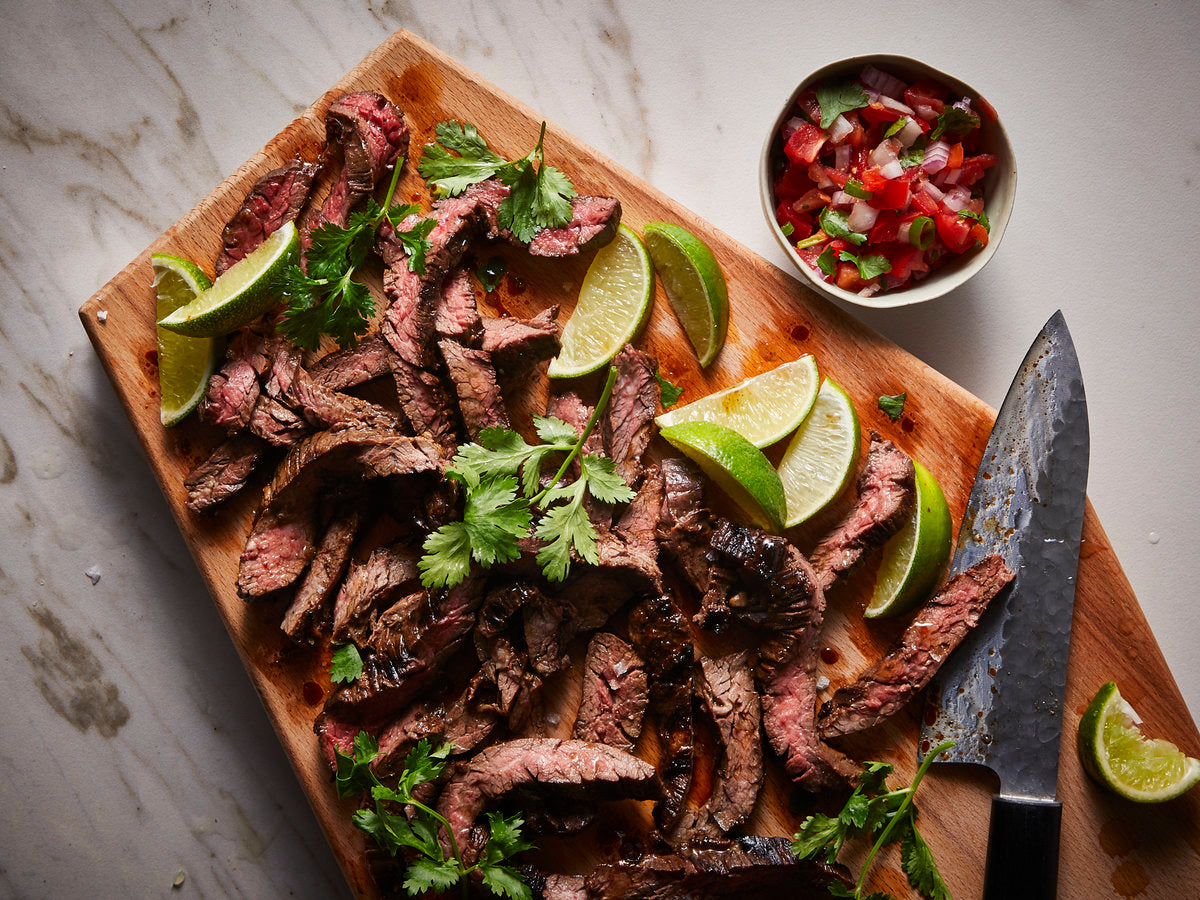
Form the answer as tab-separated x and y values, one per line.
326	299
501	479
539	195
835	99
893	404
869	266
346	664
430	869
887	816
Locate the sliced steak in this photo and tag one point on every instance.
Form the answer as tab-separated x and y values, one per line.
351	366
276	424
516	345
505	685
368	585
629	545
234	388
937	628
789	601
276	198
614	694
326	408
224	472
727	689
479	400
886	489
567	767
660	635
325	571
584	603
425	402
568	407
283	538
371	133
594	222
628	424
457	315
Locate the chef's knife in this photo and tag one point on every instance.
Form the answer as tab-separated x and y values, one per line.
999	696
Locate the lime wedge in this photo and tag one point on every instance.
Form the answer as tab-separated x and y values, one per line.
762	409
736	465
184	364
241	294
821	458
694	284
614	301
1115	754
914	557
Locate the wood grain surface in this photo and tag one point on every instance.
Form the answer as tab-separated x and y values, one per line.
1110	848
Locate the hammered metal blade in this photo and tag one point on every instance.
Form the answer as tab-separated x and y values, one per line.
999	696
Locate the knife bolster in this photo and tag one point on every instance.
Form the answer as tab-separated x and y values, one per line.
1022	855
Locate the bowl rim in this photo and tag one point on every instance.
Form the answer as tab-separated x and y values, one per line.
943	281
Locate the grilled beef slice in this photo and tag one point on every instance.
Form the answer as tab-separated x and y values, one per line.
283	538
474	380
351	366
457	315
750	867
275	199
594	221
789	601
584	603
614	694
628	424
369	583
277	424
234	388
566	767
727	689
371	134
886	489
516	345
937	628
660	635
325	571
224	472
629	546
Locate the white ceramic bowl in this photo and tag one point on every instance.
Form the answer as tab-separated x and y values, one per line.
999	184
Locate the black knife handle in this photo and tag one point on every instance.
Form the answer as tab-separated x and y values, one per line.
1022	855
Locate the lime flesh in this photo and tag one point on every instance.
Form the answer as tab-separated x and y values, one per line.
914	557
821	457
736	465
762	409
1114	752
614	301
242	293
694	284
184	364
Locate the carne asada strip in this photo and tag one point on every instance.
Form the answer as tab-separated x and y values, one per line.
367	585
234	388
570	767
550	623
371	134
352	366
789	600
516	345
937	628
474	380
628	424
504	685
886	491
325	571
727	689
276	424
630	544
749	867
283	539
614	694
425	402
660	635
457	314
327	408
275	199
224	472
594	221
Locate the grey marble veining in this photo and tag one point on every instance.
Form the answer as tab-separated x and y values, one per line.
133	747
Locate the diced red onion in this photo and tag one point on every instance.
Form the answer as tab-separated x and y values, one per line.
950	176
818	174
934	192
956	199
925	111
908	135
892	169
870	290
902	232
965	105
892	281
862	217
791	126
882	82
841	157
841	198
889	103
937	155
840	130
884	153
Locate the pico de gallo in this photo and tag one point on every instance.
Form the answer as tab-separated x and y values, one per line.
878	181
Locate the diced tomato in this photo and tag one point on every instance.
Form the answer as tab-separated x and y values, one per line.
819	173
809	255
838	178
793	183
838	245
923	204
954	230
887	224
955	158
801	222
814	199
927	93
805	143
892	195
848	277
809	106
877	113
872	180
907	260
973	168
859	160
858	136
979	233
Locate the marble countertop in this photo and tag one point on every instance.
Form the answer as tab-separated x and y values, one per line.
134	752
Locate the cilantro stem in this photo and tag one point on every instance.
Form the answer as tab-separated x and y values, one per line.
387	199
911	791
587	431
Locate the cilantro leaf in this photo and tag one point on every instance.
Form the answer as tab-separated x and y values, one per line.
980	217
954	121
914	155
425	874
869	267
415	241
835	99
447	558
450	175
603	482
494	519
895	127
564	527
836	224
504	837
819	833
353	775
505	881
826	261
539	195
916	859
490	273
423	763
554	430
346	664
893	404
669	391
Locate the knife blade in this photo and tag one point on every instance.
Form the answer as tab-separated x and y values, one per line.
999	696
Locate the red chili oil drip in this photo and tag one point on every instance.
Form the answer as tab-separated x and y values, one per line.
152	357
313	693
498	302
829	656
516	287
930	716
799	333
924	746
907	424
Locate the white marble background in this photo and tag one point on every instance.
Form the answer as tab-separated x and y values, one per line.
132	747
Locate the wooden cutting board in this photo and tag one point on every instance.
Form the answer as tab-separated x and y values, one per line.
1110	848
